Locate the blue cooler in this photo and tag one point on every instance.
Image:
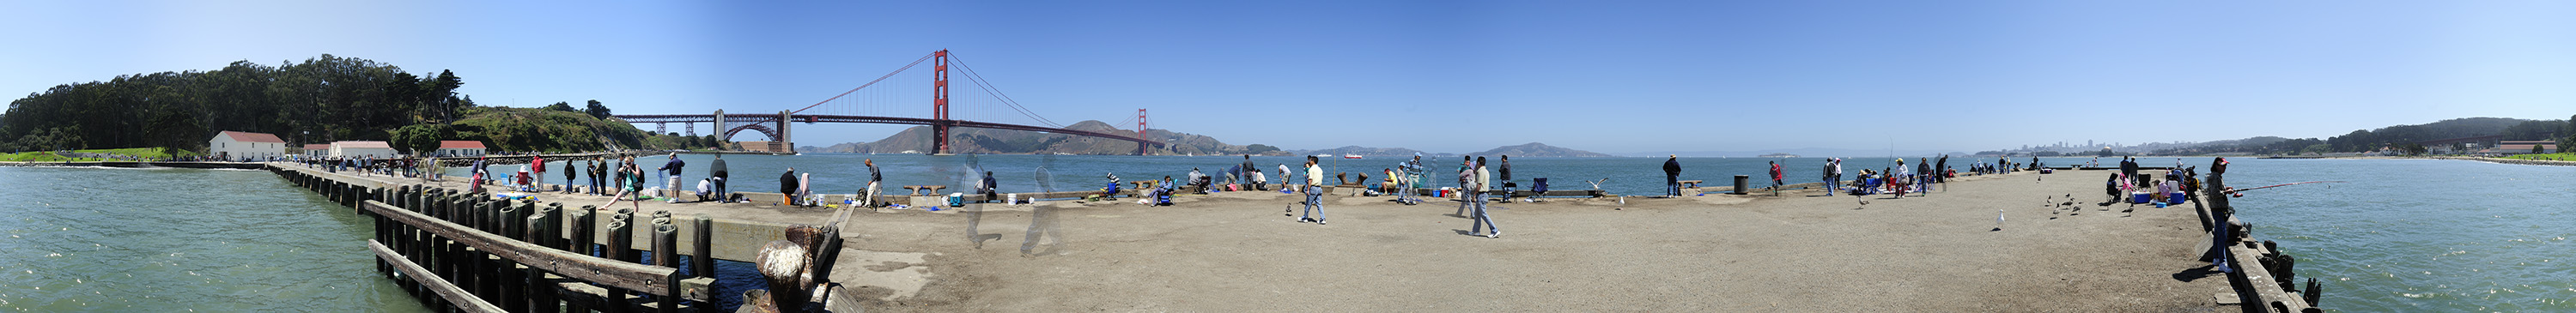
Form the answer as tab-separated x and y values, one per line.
2140	198
2175	198
956	201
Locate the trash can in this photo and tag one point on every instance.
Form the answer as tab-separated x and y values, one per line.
1739	183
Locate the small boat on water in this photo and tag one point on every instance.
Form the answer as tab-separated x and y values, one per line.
1350	156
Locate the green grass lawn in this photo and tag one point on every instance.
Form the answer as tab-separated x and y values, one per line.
2552	157
50	156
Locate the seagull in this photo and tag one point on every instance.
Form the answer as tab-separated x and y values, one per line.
1999	220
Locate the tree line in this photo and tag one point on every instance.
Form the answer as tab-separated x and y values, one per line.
322	99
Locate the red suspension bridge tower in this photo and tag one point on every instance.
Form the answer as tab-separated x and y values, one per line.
939	103
1140	131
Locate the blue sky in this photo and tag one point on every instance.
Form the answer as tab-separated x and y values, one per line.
1452	76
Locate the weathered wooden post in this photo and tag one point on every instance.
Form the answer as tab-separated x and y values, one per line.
508	285
704	263
541	292
782	265
583	222
553	237
619	237
666	253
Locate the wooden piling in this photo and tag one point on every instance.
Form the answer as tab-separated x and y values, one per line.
618	237
666	253
582	223
704	263
541	291
510	287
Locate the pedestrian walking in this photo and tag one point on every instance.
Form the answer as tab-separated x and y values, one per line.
1314	193
1776	177
1484	220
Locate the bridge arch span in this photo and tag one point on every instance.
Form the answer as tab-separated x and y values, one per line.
764	130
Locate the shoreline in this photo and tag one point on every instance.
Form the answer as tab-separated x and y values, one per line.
1800	250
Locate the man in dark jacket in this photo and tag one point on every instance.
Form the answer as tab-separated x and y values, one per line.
717	171
2129	168
988	188
570	176
787	184
1673	176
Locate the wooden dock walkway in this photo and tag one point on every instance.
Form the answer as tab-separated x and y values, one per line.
478	253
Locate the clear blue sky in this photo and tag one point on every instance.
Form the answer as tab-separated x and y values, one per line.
1452	76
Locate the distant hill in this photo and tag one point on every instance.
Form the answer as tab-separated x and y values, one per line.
1805	152
846	147
1369	152
996	141
1541	150
2355	141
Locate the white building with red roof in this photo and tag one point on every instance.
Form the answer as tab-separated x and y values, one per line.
233	145
353	149
460	148
317	151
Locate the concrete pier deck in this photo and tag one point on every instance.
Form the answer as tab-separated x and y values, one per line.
1800	251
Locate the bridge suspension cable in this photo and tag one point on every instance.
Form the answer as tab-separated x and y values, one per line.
870	83
997	94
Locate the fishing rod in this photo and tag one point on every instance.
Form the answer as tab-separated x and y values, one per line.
2240	192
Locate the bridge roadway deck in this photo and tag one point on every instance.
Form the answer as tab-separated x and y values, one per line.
1804	251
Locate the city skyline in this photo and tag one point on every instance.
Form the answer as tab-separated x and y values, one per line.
1437	76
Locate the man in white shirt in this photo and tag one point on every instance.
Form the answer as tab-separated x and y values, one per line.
1314	193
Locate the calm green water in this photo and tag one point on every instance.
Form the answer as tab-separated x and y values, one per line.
181	240
2421	235
2400	235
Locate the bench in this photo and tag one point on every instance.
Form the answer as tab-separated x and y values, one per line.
1690	184
934	189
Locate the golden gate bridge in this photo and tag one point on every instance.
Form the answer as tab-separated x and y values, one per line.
876	106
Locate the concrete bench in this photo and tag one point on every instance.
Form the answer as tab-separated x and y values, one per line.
934	189
1690	184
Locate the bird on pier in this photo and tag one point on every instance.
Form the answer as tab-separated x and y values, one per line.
1999	220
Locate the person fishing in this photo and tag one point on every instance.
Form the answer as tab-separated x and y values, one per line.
1505	170
674	166
869	200
716	174
1673	175
787	186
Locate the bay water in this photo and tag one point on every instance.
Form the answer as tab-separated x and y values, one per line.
2394	235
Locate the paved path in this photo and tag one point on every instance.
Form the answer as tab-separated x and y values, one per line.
1237	251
